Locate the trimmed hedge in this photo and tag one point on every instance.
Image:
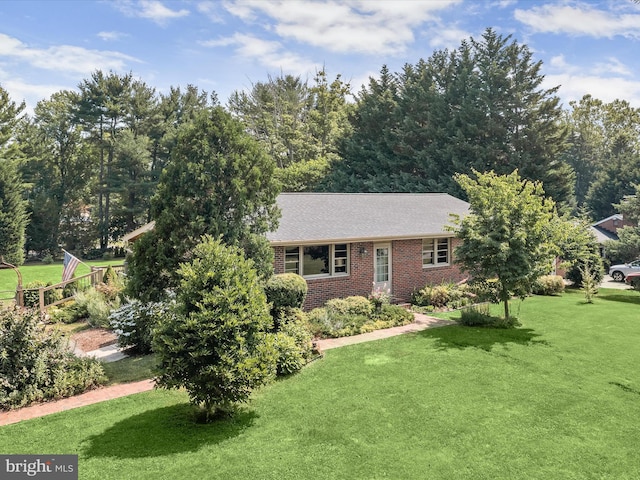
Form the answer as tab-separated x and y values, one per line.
286	290
549	285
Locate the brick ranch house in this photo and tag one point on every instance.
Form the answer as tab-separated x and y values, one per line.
347	244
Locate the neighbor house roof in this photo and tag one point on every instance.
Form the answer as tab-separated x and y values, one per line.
602	235
348	217
138	232
615	216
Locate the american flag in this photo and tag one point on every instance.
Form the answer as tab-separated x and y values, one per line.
69	265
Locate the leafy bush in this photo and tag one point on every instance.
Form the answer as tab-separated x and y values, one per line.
36	365
111	292
134	323
448	295
355	305
68	312
476	316
216	344
332	322
97	306
485	290
286	290
32	294
394	315
292	342
480	316
549	285
47	259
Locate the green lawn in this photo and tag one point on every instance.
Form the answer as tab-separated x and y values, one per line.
558	398
46	273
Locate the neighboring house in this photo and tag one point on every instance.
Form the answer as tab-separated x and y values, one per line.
607	229
350	243
131	237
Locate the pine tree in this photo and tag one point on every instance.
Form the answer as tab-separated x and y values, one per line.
13	216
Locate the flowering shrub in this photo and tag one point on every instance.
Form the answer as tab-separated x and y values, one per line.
134	323
380	296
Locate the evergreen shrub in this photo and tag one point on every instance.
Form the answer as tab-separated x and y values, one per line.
286	290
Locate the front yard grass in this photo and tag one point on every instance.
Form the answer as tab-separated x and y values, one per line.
130	369
558	397
46	273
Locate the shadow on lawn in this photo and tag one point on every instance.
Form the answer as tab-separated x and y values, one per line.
165	431
613	297
459	337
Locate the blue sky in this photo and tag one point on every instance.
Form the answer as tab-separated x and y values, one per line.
45	46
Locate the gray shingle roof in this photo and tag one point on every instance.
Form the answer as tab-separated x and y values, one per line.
602	235
334	217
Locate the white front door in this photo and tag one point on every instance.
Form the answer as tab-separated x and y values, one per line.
382	266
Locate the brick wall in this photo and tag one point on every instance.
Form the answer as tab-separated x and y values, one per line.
613	225
407	273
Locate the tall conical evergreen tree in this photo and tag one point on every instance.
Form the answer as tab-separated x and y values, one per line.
13	216
480	107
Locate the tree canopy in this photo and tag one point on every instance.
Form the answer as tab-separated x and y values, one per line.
480	106
219	182
13	215
507	233
216	344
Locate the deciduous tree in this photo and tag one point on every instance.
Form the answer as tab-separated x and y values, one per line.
506	234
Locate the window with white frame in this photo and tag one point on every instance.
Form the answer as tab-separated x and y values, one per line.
435	251
317	260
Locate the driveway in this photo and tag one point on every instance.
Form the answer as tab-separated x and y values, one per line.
607	282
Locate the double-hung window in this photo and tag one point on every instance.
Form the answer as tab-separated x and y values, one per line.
317	260
435	251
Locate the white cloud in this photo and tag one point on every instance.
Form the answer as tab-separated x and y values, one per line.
504	3
268	53
112	36
449	38
601	80
153	10
210	9
580	20
362	80
607	89
614	66
31	94
381	27
63	58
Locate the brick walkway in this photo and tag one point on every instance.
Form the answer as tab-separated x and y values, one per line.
421	322
108	393
87	398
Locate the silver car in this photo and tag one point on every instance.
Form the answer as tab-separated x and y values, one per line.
618	272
